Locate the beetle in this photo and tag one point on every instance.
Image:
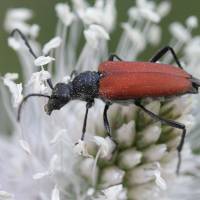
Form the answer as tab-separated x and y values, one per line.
123	83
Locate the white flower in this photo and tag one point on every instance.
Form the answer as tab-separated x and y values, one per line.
103	143
64	14
34	30
81	148
51	171
26	147
91	38
179	32
42	60
159	181
15	18
37	79
15	89
13	43
58	137
53	43
100	31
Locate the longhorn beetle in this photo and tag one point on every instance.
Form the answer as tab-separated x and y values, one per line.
123	83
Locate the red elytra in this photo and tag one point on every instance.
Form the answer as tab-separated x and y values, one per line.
128	80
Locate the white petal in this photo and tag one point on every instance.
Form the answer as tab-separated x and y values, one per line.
91	38
55	194
26	147
81	148
6	195
159	181
53	43
58	137
53	163
42	60
64	14
11	76
103	143
13	43
40	175
100	31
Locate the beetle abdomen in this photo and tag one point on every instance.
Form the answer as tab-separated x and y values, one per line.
136	80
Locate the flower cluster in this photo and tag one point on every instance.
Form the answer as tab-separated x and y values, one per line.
48	164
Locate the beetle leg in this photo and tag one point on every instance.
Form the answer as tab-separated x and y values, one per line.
162	52
74	72
107	127
111	57
172	124
88	105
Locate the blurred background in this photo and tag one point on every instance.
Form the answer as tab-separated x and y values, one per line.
46	18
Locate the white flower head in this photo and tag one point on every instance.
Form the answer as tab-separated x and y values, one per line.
42	60
15	89
26	147
37	79
58	137
53	43
14	44
64	14
81	149
103	143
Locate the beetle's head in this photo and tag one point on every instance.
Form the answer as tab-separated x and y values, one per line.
60	96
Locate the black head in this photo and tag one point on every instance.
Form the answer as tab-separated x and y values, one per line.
60	96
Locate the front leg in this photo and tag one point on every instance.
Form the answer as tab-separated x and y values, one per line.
107	127
88	105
